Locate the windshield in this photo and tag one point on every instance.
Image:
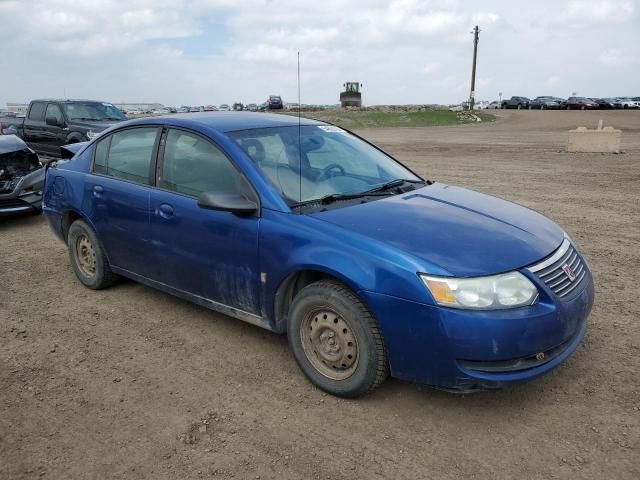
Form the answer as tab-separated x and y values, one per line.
334	162
92	111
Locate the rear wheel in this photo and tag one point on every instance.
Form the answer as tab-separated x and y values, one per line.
87	257
336	340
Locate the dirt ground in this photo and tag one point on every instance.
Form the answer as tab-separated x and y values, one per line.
133	383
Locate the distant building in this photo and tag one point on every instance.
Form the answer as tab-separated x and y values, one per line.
17	107
139	106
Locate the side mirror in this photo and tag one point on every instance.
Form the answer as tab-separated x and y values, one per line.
53	121
226	202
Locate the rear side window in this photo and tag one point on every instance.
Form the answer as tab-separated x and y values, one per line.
129	155
193	165
36	112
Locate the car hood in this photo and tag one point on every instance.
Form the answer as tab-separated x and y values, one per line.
452	230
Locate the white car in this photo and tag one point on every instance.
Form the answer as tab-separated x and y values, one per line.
224	108
625	102
481	105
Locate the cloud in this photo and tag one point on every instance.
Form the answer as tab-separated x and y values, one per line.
430	67
403	51
616	57
552	81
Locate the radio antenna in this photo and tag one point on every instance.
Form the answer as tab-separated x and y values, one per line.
299	132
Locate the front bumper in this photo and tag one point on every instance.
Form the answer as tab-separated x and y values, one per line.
465	350
13	204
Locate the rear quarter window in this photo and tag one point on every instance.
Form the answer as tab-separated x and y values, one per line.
100	158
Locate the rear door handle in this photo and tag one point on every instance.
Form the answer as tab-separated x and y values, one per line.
165	210
98	191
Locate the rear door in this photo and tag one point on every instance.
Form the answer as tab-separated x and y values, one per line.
212	254
117	195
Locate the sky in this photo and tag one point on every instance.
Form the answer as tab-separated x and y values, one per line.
199	52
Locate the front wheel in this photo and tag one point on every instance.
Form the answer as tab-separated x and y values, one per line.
336	340
88	259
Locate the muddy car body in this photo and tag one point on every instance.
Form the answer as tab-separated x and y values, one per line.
21	177
308	229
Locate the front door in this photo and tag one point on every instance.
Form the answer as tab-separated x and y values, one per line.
52	135
211	254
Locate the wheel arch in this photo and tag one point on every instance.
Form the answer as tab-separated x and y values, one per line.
295	281
75	137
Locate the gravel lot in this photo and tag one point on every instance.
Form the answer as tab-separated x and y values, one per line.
133	383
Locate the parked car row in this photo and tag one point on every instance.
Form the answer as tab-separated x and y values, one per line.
547	102
274	102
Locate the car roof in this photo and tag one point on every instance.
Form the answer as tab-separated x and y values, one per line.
226	121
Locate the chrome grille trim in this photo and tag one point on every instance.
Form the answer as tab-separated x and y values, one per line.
553	258
551	271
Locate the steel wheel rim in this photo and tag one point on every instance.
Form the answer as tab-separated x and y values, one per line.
329	344
85	255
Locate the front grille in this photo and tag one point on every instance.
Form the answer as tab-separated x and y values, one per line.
563	272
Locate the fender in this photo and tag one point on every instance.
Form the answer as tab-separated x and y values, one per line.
298	243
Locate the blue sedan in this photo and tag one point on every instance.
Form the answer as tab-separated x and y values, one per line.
305	228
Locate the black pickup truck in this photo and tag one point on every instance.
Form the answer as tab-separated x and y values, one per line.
49	124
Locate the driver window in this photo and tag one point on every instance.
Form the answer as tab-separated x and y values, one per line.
193	165
53	110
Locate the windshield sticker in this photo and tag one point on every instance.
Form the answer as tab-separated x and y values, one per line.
331	129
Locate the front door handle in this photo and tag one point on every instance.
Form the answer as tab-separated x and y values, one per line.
165	210
98	191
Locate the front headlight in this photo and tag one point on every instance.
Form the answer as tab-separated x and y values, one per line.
507	290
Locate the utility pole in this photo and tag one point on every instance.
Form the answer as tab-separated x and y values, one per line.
472	95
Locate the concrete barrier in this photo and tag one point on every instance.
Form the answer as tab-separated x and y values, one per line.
600	140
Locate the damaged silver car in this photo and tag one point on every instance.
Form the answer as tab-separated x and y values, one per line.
21	177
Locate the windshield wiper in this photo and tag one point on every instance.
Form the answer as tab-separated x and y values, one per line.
334	197
379	191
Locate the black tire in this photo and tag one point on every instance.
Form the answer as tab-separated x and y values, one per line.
83	244
369	369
